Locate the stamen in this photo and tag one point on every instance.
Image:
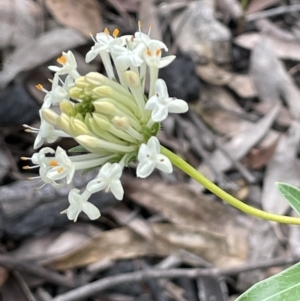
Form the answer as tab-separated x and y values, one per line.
62	60
115	33
149	30
106	30
139	25
25	158
39	87
60	170
30	167
53	163
149	52
158	52
92	37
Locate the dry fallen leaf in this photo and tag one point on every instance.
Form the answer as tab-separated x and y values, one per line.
122	243
218	108
289	50
238	146
19	22
270	77
283	167
200	34
258	5
259	157
55	243
81	15
39	51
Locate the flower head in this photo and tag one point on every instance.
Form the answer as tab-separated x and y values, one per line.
112	117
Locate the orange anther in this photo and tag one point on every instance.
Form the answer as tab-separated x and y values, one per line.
139	25
39	87
158	52
60	170
106	30
62	60
148	52
53	163
115	32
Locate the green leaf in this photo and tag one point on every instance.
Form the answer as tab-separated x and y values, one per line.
291	194
283	286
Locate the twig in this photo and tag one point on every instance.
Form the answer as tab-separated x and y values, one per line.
109	282
35	270
273	12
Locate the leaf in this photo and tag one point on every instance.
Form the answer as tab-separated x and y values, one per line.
283	286
291	194
82	15
123	243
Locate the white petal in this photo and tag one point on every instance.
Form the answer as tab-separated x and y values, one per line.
143	152
159	113
154	146
177	106
145	168
54	68
91	210
96	185
73	212
122	62
164	164
90	55
75	197
151	103
117	190
116	171
161	88
38	142
70	175
105	169
165	61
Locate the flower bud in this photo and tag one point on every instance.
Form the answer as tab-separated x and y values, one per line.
75	92
104	107
95	78
102	121
81	82
103	91
132	79
50	116
121	123
66	106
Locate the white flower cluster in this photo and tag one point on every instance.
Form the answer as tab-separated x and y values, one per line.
111	117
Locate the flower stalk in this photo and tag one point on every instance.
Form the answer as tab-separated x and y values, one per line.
228	198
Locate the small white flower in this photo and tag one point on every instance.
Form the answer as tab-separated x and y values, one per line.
103	43
149	158
142	38
78	202
46	132
126	58
152	57
161	104
108	178
61	166
69	65
56	95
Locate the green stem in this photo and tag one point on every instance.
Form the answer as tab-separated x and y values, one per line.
192	172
